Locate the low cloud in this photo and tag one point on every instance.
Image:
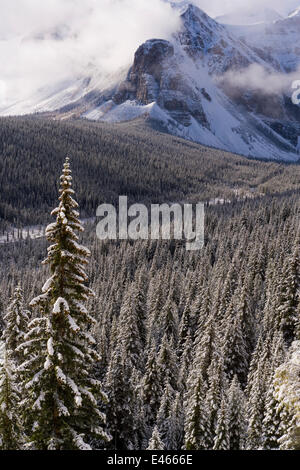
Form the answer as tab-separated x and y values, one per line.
257	78
42	43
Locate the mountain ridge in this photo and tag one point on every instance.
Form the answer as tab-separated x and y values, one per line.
179	84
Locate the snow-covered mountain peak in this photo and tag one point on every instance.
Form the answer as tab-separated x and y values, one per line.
179	84
196	19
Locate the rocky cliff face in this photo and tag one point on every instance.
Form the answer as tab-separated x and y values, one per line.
156	76
144	78
157	73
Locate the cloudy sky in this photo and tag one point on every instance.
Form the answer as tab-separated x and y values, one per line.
102	32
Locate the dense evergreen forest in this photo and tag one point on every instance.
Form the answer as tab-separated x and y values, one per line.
193	350
122	159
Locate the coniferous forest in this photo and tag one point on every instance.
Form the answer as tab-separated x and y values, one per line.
129	345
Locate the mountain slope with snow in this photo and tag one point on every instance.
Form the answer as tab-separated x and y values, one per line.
179	86
250	16
280	39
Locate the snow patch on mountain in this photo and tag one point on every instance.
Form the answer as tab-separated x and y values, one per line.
110	112
250	16
294	13
280	39
49	99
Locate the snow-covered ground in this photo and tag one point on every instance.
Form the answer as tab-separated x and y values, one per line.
15	235
33	232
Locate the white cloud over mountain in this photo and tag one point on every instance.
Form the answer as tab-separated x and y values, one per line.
42	43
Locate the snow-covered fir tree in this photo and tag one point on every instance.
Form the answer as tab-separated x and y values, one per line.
177	422
289	296
1	314
255	409
234	348
168	321
11	430
164	422
151	389
276	414
236	416
129	331
217	384
62	396
274	420
222	440
155	442
16	322
196	427
15	326
287	386
122	409
167	367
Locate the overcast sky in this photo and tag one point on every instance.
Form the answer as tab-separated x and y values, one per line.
103	32
23	15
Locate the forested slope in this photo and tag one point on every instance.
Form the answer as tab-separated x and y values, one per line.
190	342
122	159
199	350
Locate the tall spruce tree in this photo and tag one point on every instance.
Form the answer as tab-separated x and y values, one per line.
255	407
122	409
274	420
287	386
234	346
289	296
11	432
221	440
129	332
196	427
167	365
236	416
15	325
16	322
177	422
61	405
164	421
217	385
151	389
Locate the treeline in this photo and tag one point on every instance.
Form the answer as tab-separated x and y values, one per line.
199	350
122	159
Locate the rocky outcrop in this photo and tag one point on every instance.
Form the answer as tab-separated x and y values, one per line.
204	39
143	81
155	76
158	75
